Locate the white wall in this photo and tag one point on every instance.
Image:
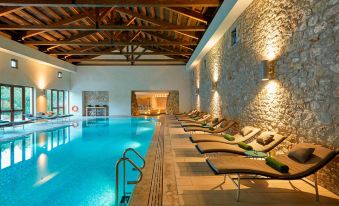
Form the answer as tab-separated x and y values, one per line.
34	74
121	80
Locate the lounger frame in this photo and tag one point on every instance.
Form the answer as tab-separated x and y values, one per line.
236	182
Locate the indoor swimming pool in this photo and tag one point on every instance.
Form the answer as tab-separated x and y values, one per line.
73	165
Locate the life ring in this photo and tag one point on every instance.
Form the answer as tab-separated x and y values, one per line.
75	108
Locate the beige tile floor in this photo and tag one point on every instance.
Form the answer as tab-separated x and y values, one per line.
195	184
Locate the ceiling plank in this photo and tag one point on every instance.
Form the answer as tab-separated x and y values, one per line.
189	13
119	53
108	43
103	28
111	3
55	24
7	10
154	21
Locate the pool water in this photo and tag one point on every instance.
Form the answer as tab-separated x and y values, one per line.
71	165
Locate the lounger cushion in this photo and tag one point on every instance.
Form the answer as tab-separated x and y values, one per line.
246	130
265	138
301	153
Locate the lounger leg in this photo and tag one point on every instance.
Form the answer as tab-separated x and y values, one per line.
238	192
316	187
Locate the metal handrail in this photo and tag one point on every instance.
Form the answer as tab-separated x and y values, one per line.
137	153
124	159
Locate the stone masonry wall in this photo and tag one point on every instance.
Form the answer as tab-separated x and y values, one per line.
302	101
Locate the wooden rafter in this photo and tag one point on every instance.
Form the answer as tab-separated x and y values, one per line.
7	10
122	60
107	43
111	3
119	53
189	13
103	28
56	24
154	21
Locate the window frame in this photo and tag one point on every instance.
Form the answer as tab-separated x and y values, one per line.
57	107
12	110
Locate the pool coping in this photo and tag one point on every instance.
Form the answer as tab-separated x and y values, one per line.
142	193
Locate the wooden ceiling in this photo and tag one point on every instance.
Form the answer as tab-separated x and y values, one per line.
127	32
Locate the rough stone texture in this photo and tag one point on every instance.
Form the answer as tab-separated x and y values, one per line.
95	98
134	104
172	105
302	102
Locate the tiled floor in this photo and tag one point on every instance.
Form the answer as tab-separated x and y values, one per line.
195	184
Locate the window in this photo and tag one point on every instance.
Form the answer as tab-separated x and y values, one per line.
15	102
14	63
234	36
57	101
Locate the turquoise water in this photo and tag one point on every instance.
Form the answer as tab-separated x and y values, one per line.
71	165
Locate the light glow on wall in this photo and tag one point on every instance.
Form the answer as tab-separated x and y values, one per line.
215	105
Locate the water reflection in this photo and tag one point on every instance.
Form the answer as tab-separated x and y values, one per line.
36	144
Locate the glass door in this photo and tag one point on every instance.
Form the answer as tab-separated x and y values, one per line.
5	106
15	102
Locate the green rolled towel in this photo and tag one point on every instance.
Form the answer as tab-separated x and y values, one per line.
275	164
245	146
229	137
203	124
211	128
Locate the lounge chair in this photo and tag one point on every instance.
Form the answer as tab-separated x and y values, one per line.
4	124
197	115
211	147
203	119
195	138
22	123
32	117
221	127
65	116
185	114
211	123
231	165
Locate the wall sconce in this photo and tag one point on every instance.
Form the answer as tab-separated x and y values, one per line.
42	92
59	75
14	63
197	91
267	69
214	86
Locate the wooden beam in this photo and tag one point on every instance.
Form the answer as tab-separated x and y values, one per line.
124	60
59	23
103	28
7	10
107	43
189	13
119	53
112	3
154	21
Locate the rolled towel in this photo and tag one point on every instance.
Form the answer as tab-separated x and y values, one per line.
204	124
211	128
245	146
275	164
229	137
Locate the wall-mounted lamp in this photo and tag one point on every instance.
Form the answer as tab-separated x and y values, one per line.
42	92
267	69
14	63
214	86
197	91
59	75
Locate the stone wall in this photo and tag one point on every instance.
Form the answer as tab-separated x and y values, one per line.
302	101
94	98
172	105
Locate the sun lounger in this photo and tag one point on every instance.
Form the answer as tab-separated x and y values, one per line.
211	123
223	125
211	147
198	115
235	165
195	138
203	119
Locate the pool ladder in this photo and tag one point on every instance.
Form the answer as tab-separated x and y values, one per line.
123	160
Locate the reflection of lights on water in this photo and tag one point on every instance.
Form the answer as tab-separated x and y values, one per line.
42	140
45	179
5	155
133	145
143	129
42	166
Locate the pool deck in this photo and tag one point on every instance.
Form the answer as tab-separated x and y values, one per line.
189	181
